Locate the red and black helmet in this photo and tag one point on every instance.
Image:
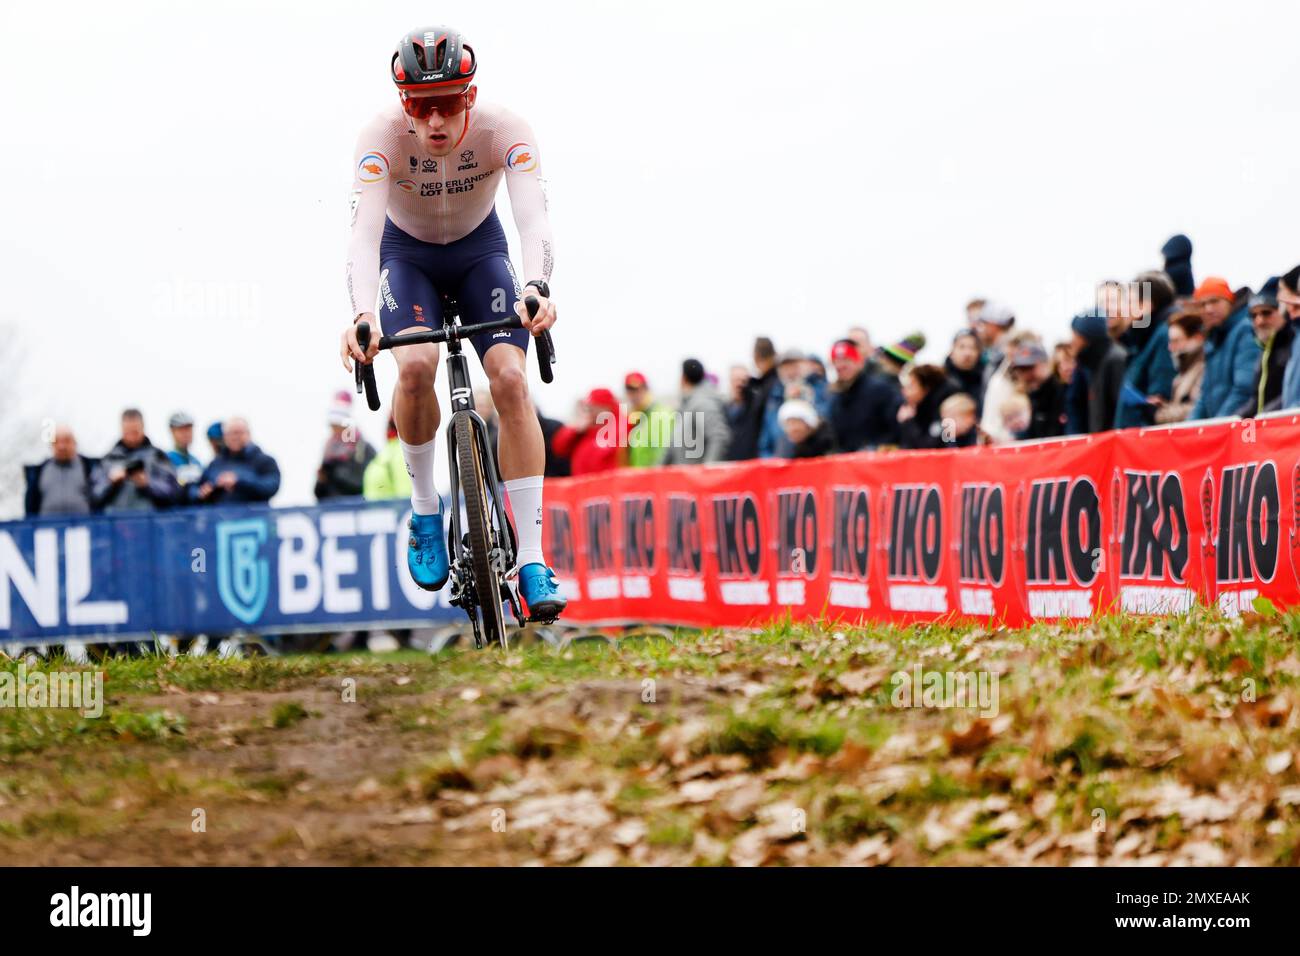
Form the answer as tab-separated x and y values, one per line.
433	58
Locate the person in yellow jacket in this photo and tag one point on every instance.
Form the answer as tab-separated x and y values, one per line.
386	475
650	424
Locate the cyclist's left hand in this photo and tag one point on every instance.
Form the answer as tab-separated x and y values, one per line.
545	312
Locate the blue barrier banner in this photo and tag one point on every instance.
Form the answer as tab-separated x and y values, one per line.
211	571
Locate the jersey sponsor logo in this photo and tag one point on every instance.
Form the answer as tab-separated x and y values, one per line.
419	312
373	167
467	155
354	202
521	158
429	165
406	185
390	303
415	164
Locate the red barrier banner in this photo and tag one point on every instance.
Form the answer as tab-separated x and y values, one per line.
1148	521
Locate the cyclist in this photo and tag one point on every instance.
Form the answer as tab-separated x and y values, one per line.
424	225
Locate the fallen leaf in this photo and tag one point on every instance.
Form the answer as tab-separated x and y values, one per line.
849	757
860	681
972	740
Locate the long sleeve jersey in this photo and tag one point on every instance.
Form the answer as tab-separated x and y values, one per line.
441	199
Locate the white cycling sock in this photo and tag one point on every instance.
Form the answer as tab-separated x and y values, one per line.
419	465
526	502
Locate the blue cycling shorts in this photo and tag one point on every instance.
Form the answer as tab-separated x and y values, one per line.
475	271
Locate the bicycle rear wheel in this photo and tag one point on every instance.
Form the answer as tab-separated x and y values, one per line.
487	585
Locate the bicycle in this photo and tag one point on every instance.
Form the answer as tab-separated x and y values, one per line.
482	558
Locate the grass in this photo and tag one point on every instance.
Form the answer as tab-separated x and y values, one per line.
1174	732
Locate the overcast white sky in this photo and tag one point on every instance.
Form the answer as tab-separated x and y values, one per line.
175	217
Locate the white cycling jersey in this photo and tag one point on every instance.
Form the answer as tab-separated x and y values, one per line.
441	199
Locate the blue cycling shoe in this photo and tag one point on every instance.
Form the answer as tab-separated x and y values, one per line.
426	552
542	599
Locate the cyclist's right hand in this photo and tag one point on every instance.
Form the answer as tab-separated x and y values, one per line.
350	351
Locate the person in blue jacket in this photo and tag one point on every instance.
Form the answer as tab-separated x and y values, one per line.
794	380
242	472
1231	351
1150	371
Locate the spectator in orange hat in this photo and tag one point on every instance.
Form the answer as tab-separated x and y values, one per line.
1231	352
591	440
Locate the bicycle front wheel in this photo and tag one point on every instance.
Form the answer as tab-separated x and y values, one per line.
478	508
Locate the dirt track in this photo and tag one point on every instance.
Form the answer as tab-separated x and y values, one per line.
1117	744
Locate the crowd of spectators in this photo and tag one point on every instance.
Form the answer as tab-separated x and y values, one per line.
1156	349
137	475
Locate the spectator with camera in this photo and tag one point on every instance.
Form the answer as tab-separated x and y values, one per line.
750	406
135	475
795	380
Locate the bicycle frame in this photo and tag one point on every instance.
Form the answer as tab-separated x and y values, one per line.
503	551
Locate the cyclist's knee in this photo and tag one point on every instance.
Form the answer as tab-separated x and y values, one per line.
416	367
509	388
